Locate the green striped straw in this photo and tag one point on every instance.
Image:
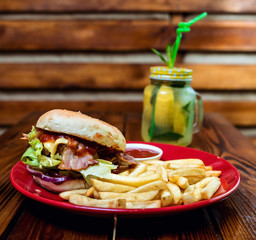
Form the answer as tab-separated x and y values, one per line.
182	28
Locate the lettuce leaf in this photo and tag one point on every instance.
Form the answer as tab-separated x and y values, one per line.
103	169
47	162
32	155
32	134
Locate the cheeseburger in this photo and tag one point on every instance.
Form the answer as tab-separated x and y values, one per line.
68	148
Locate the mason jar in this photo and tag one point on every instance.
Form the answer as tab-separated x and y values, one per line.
172	110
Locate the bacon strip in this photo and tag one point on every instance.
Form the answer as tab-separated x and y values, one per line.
76	156
127	158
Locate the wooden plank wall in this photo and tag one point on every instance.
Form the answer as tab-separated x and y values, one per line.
85	54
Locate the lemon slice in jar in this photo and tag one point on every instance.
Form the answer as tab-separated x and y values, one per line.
164	108
180	120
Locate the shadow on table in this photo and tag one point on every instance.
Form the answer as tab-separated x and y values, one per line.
45	222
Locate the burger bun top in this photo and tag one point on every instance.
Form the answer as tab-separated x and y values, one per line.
82	126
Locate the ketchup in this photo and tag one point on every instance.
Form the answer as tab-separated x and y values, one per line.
79	148
46	137
141	152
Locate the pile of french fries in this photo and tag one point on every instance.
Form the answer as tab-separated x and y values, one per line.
152	184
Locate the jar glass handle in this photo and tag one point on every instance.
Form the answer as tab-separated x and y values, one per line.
198	119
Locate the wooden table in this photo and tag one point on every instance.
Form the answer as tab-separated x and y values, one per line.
232	218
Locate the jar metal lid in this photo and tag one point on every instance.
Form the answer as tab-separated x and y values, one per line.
165	73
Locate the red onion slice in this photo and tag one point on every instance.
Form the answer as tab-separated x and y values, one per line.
61	187
48	178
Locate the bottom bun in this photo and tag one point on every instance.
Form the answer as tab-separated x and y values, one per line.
65	186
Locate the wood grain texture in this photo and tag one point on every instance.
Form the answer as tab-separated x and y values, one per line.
223	220
222	76
50	223
229	6
132	130
240	113
77	76
221	36
10	153
179	226
119	76
124	35
108	35
237	211
13	111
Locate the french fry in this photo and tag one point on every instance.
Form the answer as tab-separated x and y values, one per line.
189	189
188	196
132	181
147	173
182	182
156	185
177	166
124	173
193	175
166	198
213	173
89	192
152	184
96	194
204	182
155	162
66	195
141	205
188	172
185	163
173	178
131	197
210	188
152	167
192	194
175	192
138	170
162	172
192	180
197	194
81	200
194	161
102	186
208	168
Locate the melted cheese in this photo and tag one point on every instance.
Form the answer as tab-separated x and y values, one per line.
49	146
52	146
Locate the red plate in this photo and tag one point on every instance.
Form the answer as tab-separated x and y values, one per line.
22	180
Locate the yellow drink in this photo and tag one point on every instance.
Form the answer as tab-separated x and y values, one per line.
168	111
